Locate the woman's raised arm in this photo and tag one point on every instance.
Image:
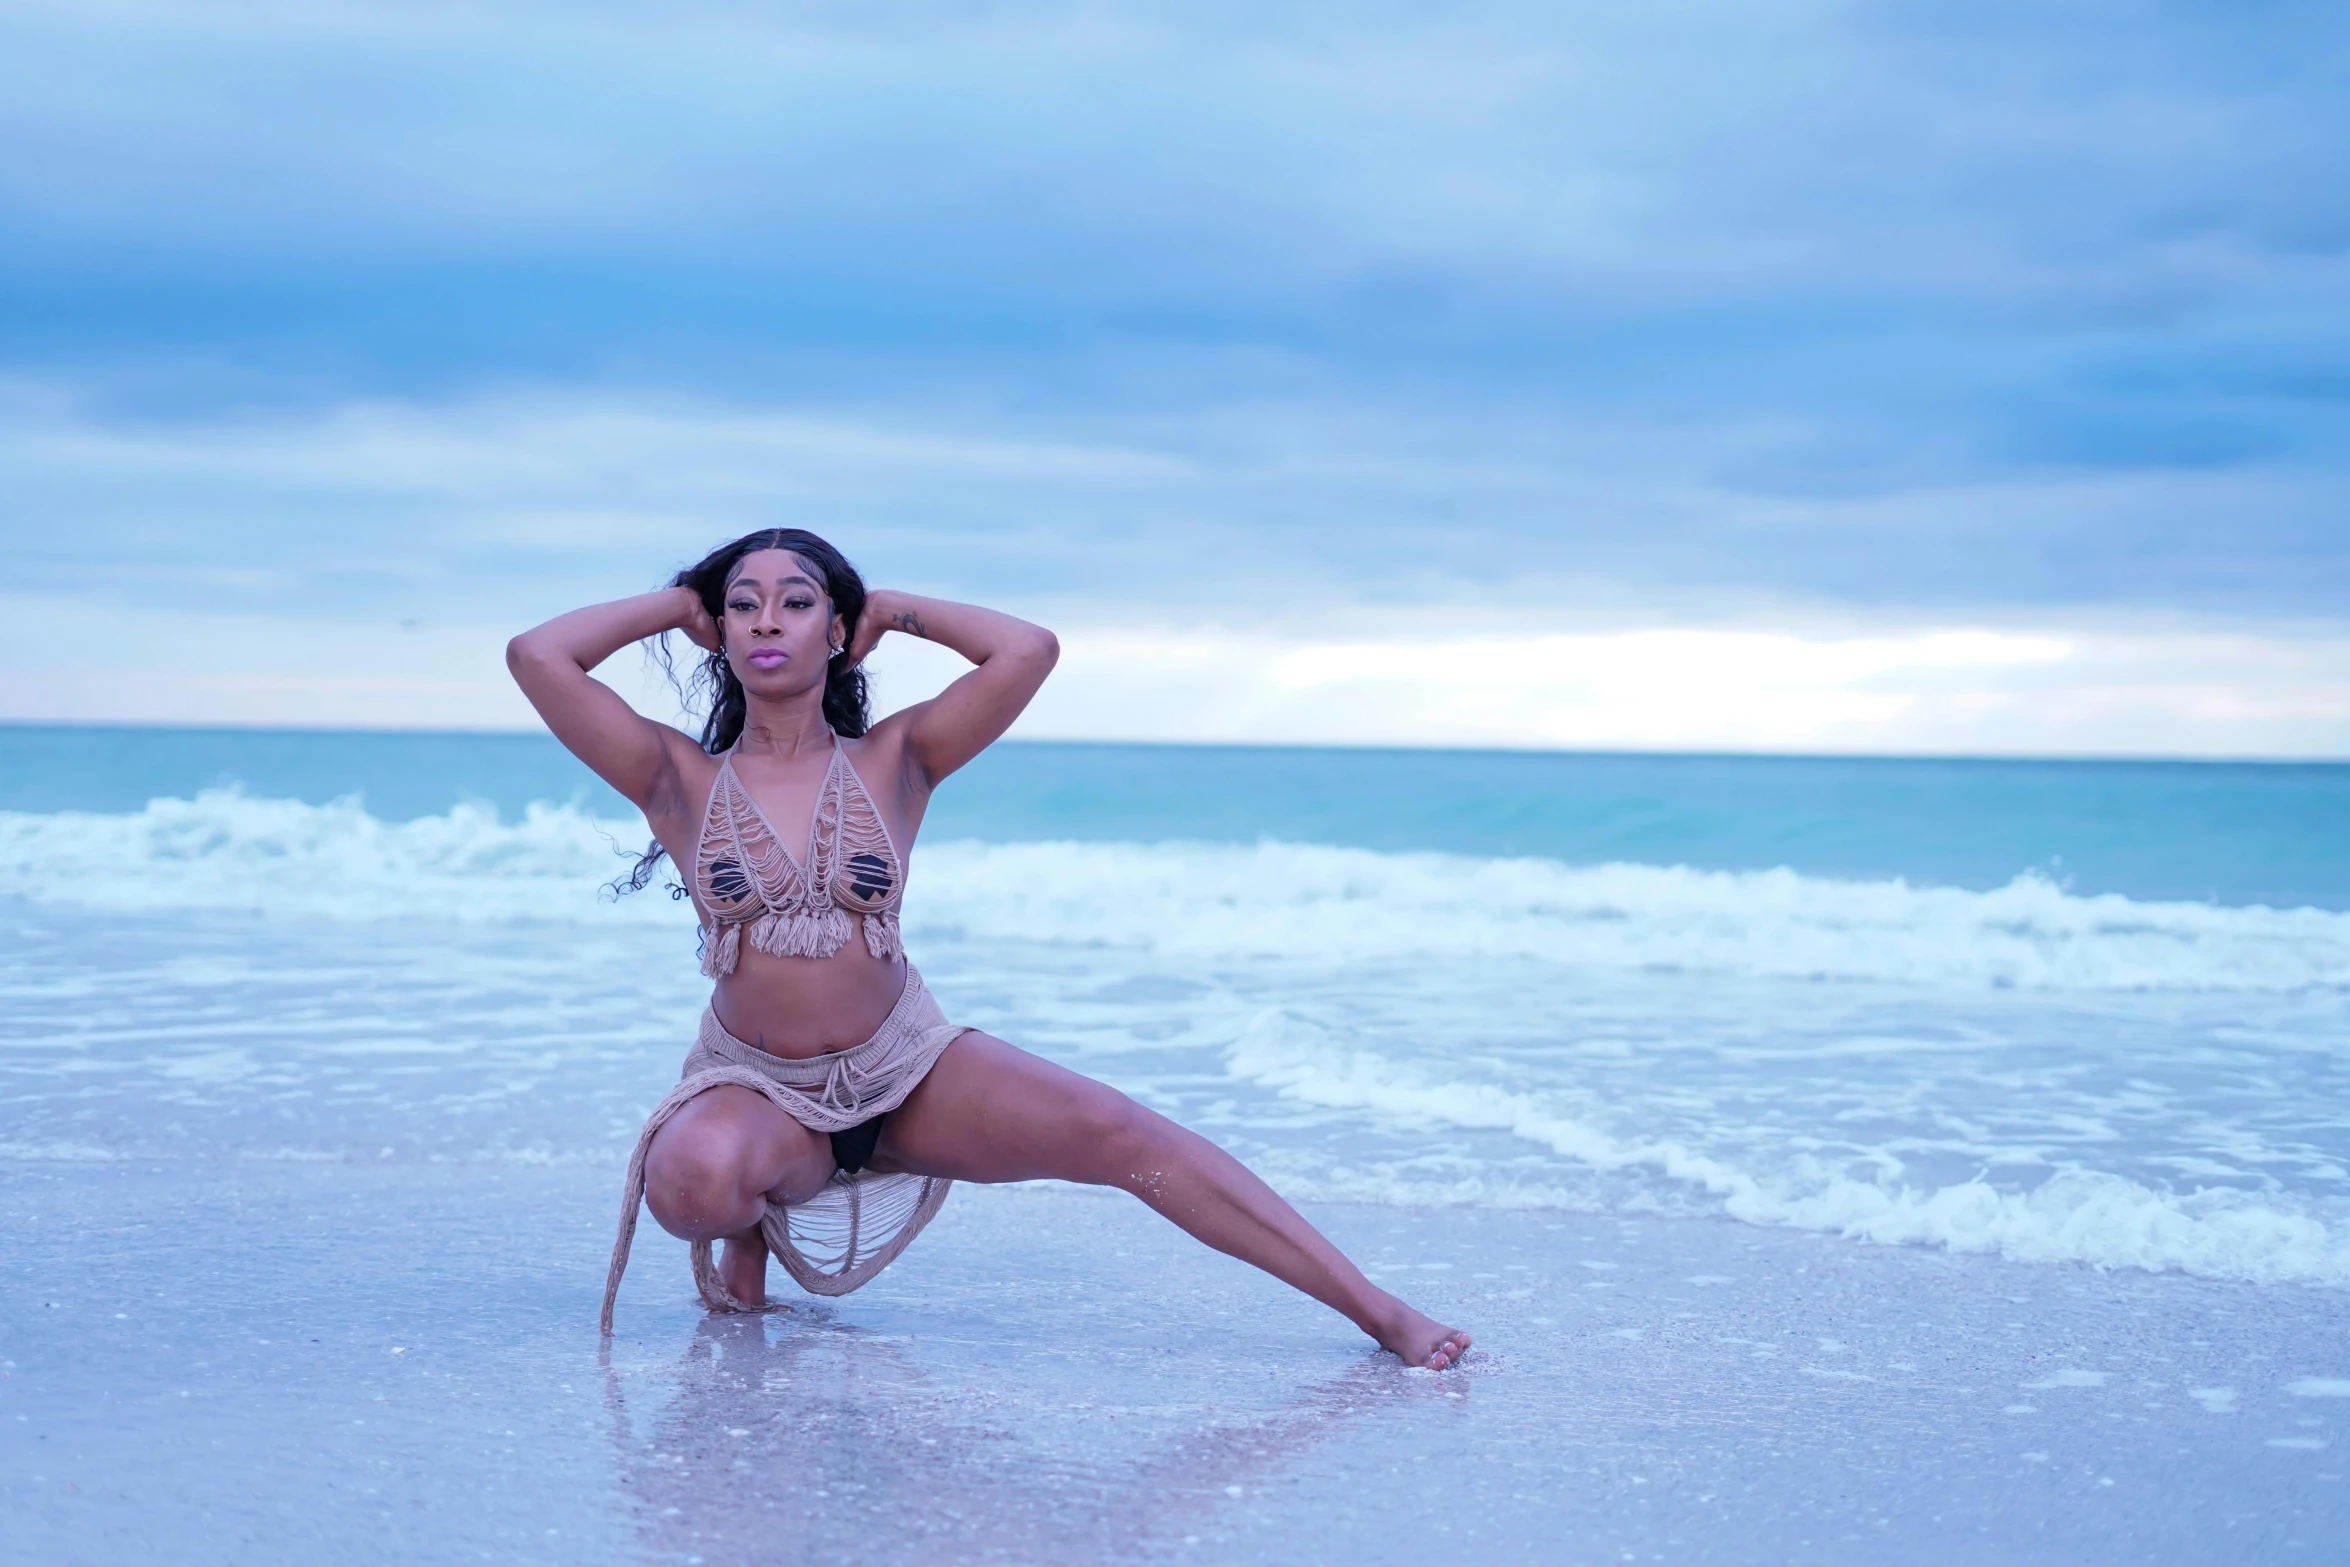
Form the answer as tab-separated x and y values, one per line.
551	662
968	716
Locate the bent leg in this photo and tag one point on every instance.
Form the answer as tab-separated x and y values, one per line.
712	1167
991	1112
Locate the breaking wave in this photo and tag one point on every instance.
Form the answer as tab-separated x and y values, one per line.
228	851
2078	1215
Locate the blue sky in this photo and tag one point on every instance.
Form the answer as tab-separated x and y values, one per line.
1458	328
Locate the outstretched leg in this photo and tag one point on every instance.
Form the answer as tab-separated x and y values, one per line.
991	1112
712	1167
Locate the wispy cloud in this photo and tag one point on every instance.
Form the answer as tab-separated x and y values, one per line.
1248	508
1697	317
2145	691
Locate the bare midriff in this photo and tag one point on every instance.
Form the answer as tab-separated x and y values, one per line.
802	1007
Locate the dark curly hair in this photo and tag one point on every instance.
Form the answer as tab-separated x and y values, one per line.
847	698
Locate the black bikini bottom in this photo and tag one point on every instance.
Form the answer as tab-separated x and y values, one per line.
853	1147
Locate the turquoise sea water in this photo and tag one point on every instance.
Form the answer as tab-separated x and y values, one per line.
2232	833
2069	1013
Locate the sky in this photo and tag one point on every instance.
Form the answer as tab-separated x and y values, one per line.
1691	375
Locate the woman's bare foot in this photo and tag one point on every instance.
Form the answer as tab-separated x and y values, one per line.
742	1268
1418	1339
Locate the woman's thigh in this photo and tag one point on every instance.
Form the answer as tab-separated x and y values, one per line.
989	1111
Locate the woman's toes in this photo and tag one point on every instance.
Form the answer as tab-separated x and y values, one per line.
1448	1352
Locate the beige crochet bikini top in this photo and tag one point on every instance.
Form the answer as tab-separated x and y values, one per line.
743	875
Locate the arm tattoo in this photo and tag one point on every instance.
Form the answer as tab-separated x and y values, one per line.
908	621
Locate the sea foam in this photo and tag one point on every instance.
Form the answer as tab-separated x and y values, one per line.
2078	1215
2244	1100
1277	899
224	850
228	851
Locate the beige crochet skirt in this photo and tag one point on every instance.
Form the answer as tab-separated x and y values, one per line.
857	1224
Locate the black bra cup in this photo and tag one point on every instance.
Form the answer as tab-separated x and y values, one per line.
868	875
728	883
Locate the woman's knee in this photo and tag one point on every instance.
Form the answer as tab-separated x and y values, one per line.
698	1181
1122	1140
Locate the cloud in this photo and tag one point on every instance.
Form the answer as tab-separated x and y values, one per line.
1845	323
2046	692
2023	147
1957	690
428	508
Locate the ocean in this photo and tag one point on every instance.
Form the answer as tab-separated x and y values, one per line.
2084	1023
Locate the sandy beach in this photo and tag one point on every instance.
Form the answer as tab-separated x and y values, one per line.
407	1369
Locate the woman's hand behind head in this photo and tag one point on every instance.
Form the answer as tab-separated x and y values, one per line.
694	620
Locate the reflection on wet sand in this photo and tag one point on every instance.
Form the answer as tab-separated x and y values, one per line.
795	1436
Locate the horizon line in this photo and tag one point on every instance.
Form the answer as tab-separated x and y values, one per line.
1691	753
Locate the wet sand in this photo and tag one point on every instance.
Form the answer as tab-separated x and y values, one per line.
249	1360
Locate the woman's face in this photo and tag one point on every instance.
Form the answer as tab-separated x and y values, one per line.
778	626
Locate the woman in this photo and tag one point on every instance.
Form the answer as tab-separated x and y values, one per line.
828	1102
